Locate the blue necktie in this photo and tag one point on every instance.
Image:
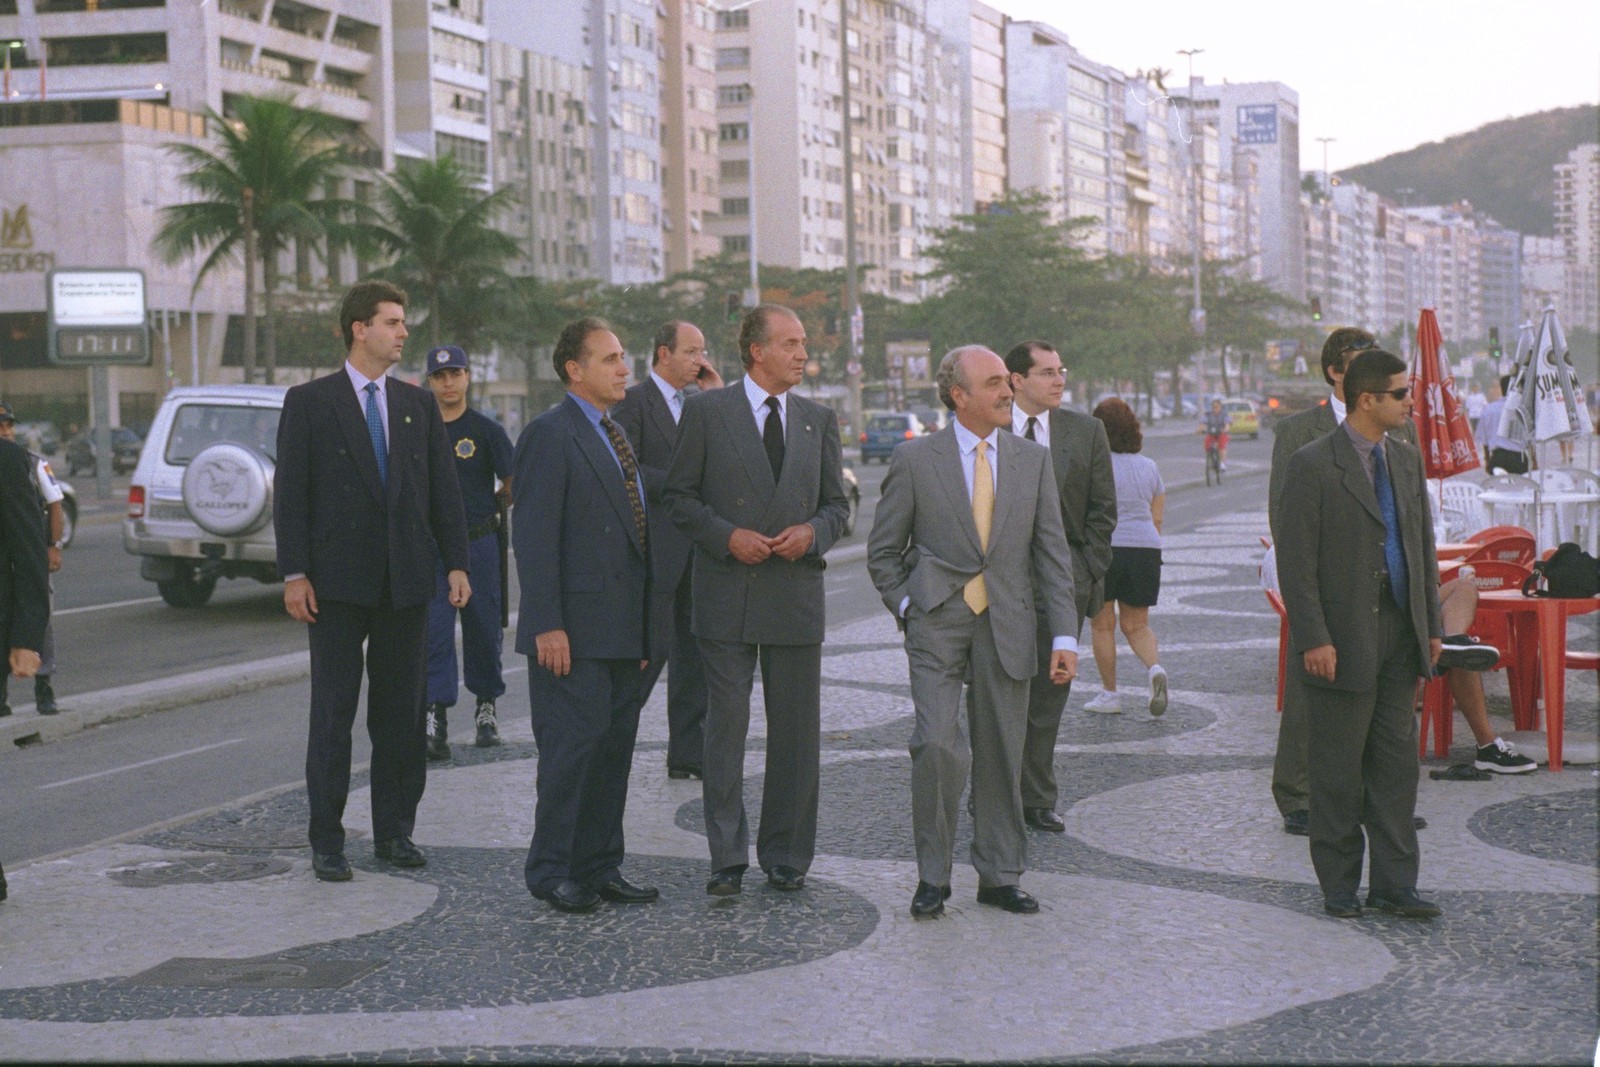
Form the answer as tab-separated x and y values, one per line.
380	447
1393	555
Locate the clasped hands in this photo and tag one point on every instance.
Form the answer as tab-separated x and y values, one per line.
750	548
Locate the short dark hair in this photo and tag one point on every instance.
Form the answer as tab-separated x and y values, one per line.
1344	339
1370	373
757	327
666	337
1122	425
569	346
1020	359
361	304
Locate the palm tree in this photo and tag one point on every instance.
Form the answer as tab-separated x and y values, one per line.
263	188
448	254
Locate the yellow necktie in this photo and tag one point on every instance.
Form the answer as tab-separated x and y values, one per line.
976	594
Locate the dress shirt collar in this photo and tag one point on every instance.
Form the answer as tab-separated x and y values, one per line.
1364	449
590	412
1338	408
359	381
1019	424
758	398
669	392
968	441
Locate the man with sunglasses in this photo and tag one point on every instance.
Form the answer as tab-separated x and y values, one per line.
1360	583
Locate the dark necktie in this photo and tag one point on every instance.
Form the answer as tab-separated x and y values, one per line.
772	437
630	474
380	446
1393	554
1032	428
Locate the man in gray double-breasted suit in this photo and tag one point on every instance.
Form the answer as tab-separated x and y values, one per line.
1360	584
756	484
967	538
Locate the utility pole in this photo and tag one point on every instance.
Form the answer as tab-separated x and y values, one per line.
852	298
752	298
1197	313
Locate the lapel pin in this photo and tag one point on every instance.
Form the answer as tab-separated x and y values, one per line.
808	427
408	418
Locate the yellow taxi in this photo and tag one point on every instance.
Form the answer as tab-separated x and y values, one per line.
1242	418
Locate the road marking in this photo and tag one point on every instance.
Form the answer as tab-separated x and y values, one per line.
105	607
141	763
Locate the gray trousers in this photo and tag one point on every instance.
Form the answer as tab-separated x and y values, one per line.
1364	774
791	680
1046	702
951	650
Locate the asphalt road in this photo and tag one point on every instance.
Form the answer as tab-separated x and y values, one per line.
113	630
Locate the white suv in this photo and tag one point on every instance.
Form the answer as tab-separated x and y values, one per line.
200	503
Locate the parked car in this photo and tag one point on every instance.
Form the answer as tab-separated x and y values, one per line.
852	489
41	437
933	419
200	502
885	431
125	445
1243	421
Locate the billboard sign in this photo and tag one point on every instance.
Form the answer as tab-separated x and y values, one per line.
1258	124
97	316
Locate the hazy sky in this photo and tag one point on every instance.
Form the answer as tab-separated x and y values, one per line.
1379	75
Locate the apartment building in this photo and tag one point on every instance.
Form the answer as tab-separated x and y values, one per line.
686	30
1577	212
84	170
442	99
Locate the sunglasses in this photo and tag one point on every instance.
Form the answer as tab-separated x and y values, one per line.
1360	346
1399	394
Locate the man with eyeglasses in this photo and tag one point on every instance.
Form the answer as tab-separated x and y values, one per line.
1081	458
1360	584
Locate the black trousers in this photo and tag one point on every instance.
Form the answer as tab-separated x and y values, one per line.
585	724
395	663
1508	460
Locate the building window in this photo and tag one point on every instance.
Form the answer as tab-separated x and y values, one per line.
472	156
457	102
732	132
733	58
735	205
471	10
728	95
118	48
733	169
454	50
736	242
733	20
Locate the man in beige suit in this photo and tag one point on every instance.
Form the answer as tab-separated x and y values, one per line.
967	536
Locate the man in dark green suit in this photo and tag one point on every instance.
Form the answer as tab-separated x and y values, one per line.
1289	786
1360	583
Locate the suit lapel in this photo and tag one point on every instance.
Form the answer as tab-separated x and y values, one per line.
605	467
740	422
1060	446
1009	473
401	430
1355	476
951	478
660	410
353	424
799	442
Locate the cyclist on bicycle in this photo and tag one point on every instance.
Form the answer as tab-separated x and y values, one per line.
1214	425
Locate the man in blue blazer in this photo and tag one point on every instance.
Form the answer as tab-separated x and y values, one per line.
365	505
583	561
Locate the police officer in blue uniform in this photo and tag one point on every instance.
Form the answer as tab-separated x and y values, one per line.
482	450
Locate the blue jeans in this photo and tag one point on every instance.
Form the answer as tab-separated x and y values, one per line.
481	635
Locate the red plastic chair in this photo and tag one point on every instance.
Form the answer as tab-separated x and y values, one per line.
1498	531
1276	601
1438	706
1513	548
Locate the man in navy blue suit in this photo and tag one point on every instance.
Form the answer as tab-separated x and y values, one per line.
365	504
583	561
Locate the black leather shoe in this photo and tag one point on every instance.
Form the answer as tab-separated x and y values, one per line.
1419	822
400	852
330	866
1342	906
1296	822
570	896
1404	903
1009	898
929	900
684	770
44	696
619	890
1043	819
727	882
781	877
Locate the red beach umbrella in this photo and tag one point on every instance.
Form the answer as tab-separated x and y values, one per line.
1443	431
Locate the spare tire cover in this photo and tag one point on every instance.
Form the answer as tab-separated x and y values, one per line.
228	489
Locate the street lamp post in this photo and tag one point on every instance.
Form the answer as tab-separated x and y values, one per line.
1327	220
752	297
852	296
1197	313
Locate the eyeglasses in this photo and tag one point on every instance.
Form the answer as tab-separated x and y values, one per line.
1399	394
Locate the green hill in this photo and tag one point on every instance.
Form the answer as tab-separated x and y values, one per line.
1502	168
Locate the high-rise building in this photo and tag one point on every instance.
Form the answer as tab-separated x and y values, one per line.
1263	118
687	32
1577	212
976	34
441	83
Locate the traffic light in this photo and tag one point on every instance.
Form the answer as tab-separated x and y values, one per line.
1494	342
1316	309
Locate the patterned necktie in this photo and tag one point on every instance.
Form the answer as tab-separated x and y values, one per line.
772	437
380	446
1393	554
1032	429
677	406
976	593
630	474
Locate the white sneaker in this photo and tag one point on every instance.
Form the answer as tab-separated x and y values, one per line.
1158	691
1107	703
